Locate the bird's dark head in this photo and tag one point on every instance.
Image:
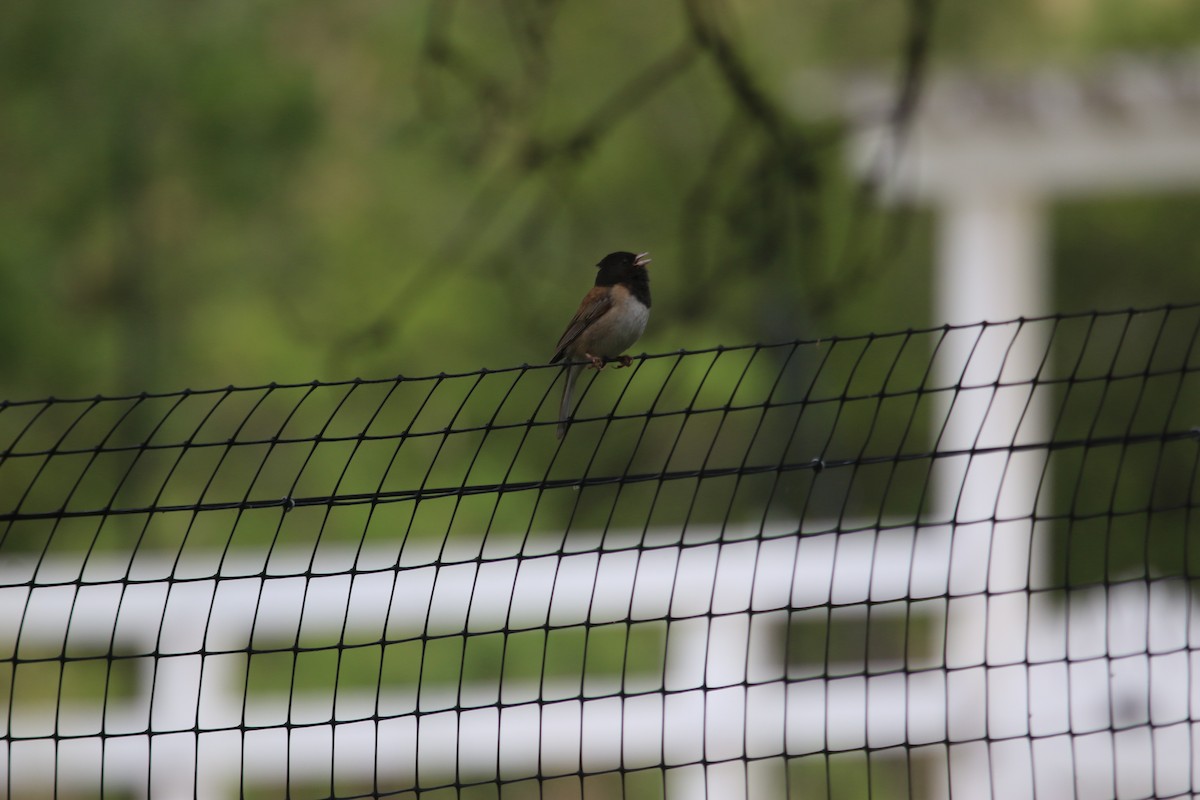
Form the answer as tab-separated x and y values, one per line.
621	266
626	268
623	260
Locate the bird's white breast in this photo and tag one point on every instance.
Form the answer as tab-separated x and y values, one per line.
616	331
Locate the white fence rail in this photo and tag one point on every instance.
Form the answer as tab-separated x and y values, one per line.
1104	685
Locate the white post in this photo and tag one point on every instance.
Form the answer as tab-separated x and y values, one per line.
991	263
990	267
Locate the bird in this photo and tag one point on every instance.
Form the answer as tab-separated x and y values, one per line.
610	319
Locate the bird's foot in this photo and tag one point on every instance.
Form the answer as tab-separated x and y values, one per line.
625	361
597	361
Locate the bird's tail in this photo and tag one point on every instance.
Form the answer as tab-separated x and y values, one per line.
564	408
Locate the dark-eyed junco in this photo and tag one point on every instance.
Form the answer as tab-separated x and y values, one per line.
610	319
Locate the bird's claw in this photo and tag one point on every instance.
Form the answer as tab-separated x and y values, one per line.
598	362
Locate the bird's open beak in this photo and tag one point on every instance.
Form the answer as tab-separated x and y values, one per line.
641	260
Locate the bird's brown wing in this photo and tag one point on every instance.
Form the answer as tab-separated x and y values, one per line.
595	304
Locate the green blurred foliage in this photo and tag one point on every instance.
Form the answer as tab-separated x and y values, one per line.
244	192
240	182
381	442
1120	507
521	666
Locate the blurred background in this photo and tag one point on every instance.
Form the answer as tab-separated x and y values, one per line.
236	192
199	195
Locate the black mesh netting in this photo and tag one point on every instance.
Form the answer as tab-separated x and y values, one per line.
953	562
